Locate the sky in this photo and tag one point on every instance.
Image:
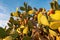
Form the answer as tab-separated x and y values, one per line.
8	6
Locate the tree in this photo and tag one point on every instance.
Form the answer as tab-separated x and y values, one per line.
15	18
2	33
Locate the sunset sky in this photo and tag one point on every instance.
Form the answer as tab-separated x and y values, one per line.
8	6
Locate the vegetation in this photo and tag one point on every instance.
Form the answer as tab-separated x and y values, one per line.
33	24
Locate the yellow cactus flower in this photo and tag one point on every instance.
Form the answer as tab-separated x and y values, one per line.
54	25
15	14
57	38
18	30
53	33
44	30
44	20
8	38
16	9
39	17
55	16
25	31
31	12
59	29
21	26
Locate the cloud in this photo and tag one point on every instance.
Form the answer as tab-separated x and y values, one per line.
3	23
4	9
4	15
3	20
